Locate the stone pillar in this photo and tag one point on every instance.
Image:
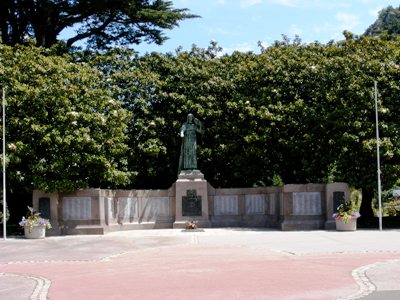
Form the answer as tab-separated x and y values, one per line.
303	207
82	212
335	193
47	204
274	199
191	199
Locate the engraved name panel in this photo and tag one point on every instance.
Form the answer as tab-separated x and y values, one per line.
77	208
255	204
128	209
226	205
154	207
307	203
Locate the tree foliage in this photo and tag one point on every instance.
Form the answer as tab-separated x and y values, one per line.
303	112
64	130
296	113
388	23
102	23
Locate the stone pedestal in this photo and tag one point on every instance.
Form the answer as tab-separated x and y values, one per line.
191	199
48	206
335	194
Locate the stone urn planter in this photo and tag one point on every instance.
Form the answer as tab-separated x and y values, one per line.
346	217
36	232
350	225
34	226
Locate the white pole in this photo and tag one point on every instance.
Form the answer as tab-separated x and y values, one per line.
378	157
4	169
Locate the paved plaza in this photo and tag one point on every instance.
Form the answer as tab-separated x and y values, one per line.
213	264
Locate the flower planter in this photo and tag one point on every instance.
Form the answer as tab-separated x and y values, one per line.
34	226
351	225
37	232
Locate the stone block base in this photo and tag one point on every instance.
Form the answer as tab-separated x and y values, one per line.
83	229
330	225
301	225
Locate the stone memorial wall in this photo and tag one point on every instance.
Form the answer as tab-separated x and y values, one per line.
97	211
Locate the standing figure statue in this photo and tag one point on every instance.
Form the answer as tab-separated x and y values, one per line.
188	157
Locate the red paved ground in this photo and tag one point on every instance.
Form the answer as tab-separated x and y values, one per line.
203	272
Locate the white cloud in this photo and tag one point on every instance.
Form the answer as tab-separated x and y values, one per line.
311	3
347	21
242	47
217	30
248	3
294	30
321	28
375	11
291	3
334	30
264	44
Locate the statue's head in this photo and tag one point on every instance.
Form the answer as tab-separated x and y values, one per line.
190	118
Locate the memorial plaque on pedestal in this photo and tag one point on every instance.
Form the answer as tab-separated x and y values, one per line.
44	207
338	198
191	204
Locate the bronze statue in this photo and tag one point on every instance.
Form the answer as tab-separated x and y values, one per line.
188	157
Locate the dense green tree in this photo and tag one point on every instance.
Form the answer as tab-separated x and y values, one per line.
102	23
357	64
64	130
136	85
301	112
1	209
388	23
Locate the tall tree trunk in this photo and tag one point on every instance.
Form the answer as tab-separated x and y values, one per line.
367	215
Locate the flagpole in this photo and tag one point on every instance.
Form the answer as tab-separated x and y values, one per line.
378	157
4	169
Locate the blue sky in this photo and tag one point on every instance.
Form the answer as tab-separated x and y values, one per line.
240	24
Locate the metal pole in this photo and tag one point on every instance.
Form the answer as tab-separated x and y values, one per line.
378	157
4	169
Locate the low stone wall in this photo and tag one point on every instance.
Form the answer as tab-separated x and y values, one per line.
245	207
97	211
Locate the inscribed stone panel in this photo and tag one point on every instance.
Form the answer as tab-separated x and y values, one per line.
255	204
111	211
191	204
226	205
272	202
44	207
154	207
307	203
128	209
338	198
77	208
